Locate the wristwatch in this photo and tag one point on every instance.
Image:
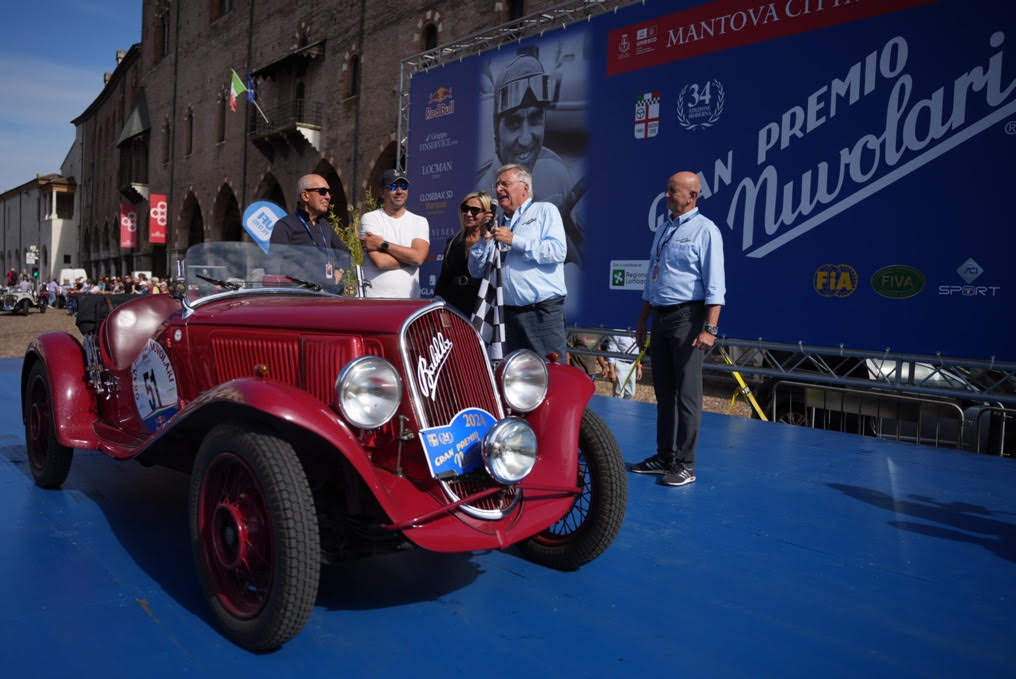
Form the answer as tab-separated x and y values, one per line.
711	329
384	247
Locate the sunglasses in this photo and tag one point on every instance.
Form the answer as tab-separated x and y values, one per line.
398	185
473	212
320	190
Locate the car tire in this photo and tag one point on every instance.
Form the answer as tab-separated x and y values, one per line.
23	307
42	307
254	536
49	461
595	517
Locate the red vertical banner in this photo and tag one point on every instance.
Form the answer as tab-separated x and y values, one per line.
128	225
158	208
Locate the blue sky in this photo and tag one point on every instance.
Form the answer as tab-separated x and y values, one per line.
52	57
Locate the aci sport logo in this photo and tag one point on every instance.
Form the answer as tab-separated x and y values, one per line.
835	280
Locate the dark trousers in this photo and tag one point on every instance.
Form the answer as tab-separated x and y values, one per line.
677	381
539	327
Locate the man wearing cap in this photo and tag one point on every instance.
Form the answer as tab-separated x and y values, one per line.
395	242
308	227
531	236
522	94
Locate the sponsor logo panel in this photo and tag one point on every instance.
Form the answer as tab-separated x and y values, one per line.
897	281
835	280
628	274
441	103
435	141
647	115
969	271
700	105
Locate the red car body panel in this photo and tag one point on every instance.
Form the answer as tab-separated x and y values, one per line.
73	401
302	342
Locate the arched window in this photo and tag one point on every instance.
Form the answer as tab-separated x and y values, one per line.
429	36
166	135
354	76
189	120
220	124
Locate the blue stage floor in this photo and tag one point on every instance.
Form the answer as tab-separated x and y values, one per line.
797	553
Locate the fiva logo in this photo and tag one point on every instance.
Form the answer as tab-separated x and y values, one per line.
897	281
835	280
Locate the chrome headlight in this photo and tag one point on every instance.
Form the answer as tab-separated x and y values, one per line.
524	380
368	391
509	450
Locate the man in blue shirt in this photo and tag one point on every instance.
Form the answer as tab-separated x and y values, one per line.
532	239
683	294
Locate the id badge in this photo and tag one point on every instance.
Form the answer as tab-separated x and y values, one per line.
656	273
329	270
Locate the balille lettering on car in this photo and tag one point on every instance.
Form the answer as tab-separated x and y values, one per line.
428	373
417	440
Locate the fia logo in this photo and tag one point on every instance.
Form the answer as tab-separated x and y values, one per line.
835	280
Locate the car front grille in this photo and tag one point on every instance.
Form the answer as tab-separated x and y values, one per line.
447	371
447	367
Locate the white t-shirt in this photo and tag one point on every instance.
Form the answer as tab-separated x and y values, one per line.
405	281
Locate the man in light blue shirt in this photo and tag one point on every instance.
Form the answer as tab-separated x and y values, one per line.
684	293
531	236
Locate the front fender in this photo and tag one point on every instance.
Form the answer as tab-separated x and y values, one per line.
299	409
74	406
556	423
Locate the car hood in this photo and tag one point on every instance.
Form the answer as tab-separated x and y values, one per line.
307	312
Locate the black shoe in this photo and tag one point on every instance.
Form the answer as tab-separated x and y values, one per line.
680	477
650	465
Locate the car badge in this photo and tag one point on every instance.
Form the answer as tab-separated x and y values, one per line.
428	372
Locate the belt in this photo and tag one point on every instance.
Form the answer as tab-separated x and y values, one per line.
674	307
545	305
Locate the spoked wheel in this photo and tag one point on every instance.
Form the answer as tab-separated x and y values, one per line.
254	535
595	518
42	307
50	462
23	307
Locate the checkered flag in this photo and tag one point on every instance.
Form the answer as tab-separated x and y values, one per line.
488	317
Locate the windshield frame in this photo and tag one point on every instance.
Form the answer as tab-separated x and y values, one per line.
248	265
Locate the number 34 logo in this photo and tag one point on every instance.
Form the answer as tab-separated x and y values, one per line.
700	105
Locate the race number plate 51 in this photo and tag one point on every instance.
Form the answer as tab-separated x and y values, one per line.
154	386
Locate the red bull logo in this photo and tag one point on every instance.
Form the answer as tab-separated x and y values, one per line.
440	95
440	104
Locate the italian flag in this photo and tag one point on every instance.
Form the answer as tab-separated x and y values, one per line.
236	88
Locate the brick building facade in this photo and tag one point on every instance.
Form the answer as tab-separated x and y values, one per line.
326	74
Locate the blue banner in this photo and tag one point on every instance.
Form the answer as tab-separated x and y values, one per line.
259	219
855	156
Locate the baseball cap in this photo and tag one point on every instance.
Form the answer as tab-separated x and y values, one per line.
392	176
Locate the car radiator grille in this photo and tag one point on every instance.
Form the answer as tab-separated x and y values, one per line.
441	338
463	378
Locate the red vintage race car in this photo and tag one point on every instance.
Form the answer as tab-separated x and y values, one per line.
318	426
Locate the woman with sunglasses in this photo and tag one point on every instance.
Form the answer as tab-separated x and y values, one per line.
455	284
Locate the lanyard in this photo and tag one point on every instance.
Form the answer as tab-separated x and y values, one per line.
324	241
676	223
